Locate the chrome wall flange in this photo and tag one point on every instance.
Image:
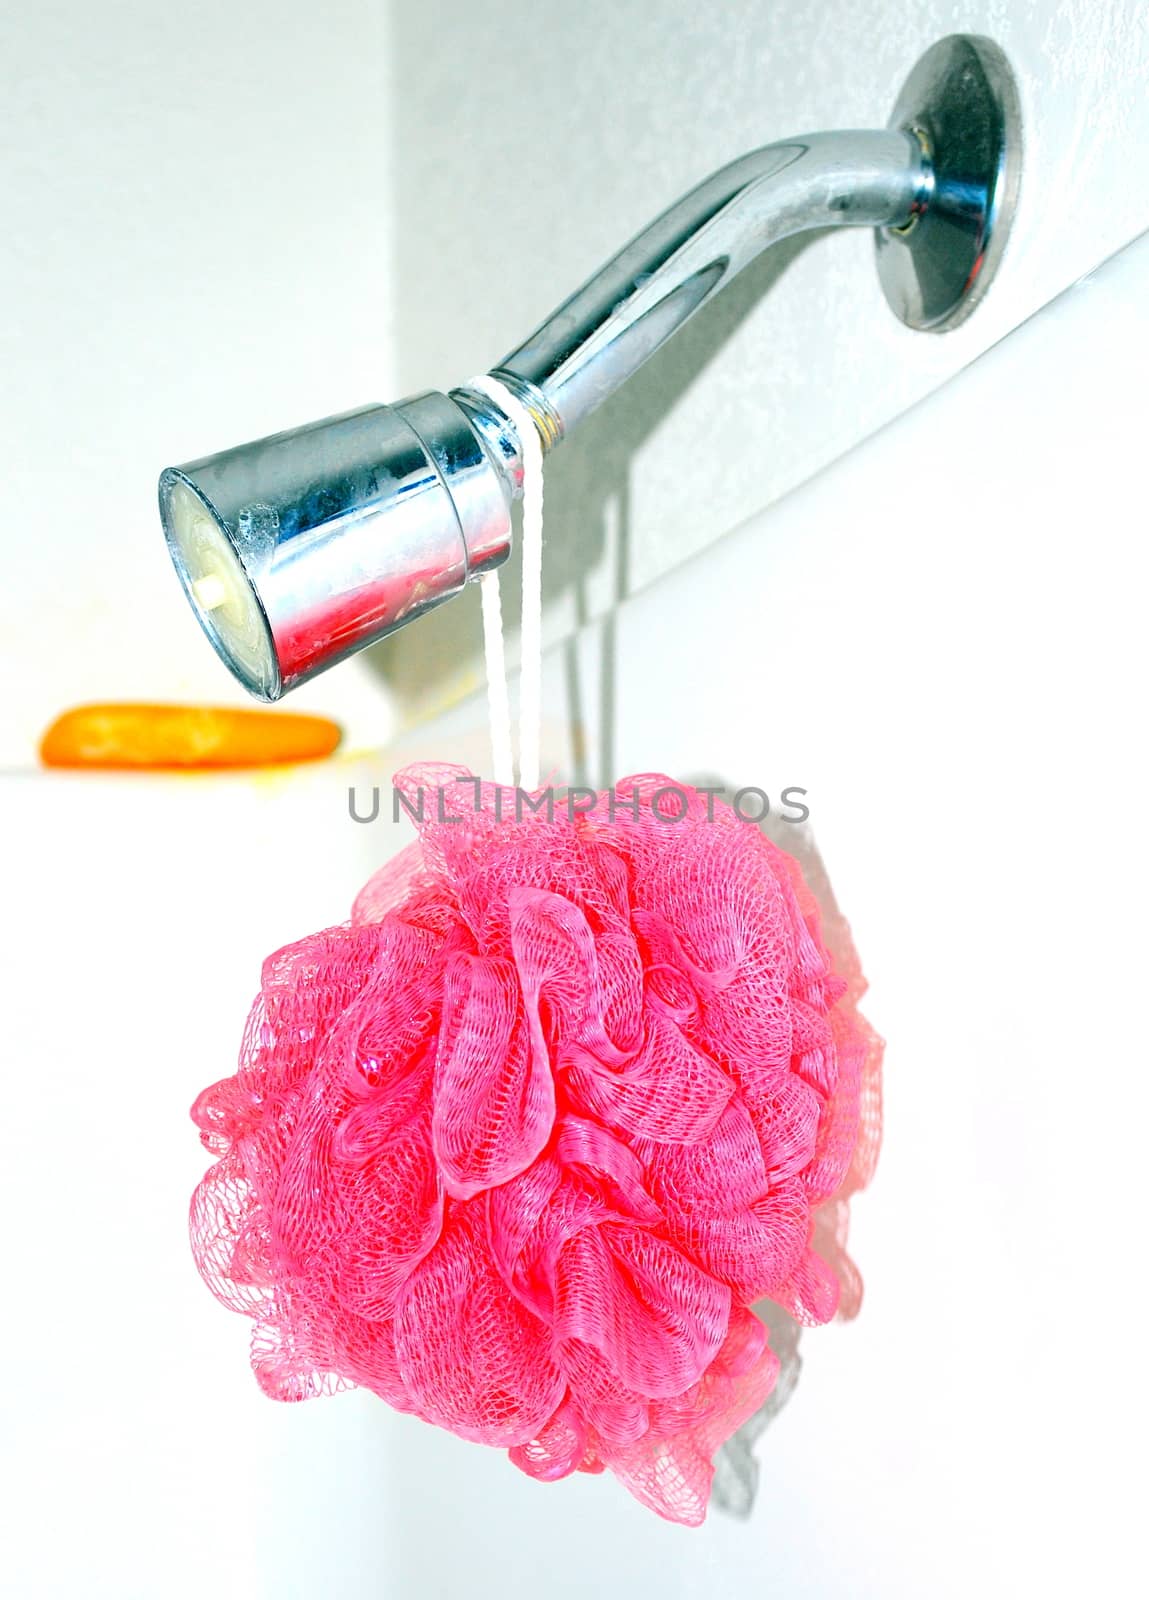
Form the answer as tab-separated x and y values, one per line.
961	102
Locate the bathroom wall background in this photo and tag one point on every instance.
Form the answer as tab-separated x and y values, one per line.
195	251
231	217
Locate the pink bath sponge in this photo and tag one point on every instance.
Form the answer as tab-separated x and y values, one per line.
519	1146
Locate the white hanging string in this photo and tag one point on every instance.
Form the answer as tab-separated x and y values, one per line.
498	700
531	626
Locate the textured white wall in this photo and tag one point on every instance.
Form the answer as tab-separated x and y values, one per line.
533	140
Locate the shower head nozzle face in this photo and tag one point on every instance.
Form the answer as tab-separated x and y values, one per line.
216	583
299	549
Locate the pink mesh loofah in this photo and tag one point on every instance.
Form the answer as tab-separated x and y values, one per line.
518	1148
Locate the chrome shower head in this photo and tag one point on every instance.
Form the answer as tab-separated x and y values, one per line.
300	549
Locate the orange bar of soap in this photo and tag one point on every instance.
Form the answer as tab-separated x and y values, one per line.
183	737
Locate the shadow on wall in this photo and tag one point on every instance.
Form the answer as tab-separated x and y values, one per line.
587	486
736	1476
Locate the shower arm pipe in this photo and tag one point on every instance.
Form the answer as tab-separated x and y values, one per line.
603	333
939	186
